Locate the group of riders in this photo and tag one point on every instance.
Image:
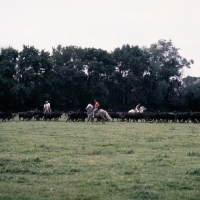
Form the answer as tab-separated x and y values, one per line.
47	107
97	105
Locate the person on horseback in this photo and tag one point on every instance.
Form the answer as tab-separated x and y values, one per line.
137	108
96	106
47	107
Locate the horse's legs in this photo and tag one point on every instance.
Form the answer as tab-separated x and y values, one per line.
103	119
92	118
88	119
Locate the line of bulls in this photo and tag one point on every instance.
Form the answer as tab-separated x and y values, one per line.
75	116
33	114
180	117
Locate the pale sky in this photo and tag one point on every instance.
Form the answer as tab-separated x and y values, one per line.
105	24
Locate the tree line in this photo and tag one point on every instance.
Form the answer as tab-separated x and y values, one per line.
71	77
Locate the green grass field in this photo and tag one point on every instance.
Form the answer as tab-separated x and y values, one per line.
118	160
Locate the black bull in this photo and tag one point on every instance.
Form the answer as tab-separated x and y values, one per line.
76	116
5	115
52	115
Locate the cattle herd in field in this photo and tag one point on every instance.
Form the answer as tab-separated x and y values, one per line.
75	116
31	115
180	117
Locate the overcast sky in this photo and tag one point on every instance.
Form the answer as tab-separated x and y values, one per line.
105	24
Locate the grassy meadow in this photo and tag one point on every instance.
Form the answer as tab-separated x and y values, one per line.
118	160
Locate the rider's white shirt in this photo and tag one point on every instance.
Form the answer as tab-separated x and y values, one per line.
47	106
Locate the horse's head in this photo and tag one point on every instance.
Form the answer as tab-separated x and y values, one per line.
89	106
142	109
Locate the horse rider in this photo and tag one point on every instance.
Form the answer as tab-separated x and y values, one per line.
137	108
96	106
47	107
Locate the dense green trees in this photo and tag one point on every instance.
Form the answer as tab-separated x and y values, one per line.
191	92
71	77
131	67
165	74
8	76
33	70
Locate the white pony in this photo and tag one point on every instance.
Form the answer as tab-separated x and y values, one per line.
99	114
141	110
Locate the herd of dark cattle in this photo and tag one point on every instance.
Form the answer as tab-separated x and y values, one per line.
33	114
75	116
180	117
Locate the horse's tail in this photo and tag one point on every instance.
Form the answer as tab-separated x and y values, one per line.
108	116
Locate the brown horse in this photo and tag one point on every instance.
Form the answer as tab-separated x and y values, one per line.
102	114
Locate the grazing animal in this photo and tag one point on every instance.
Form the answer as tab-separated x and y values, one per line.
181	117
21	115
128	116
52	115
76	116
102	114
114	115
5	115
12	117
195	117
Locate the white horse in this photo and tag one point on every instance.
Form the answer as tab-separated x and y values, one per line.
141	110
100	113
